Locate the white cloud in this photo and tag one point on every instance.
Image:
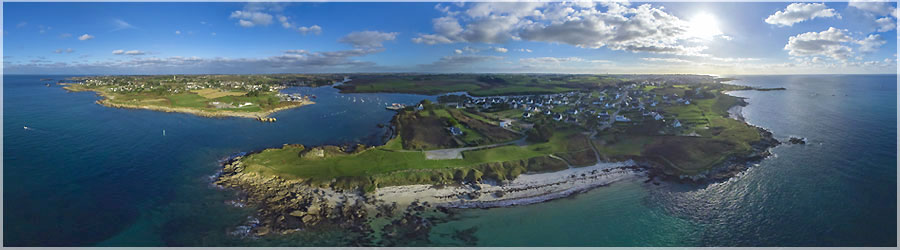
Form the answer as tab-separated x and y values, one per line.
799	12
121	25
368	39
871	43
641	29
457	51
524	50
134	52
65	35
251	18
85	37
178	32
886	24
118	52
315	29
501	49
830	43
876	8
284	21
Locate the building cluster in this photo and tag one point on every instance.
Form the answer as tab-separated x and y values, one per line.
627	103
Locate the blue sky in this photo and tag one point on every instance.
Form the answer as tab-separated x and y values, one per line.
556	37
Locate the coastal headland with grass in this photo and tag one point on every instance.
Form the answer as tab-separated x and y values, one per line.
514	148
246	96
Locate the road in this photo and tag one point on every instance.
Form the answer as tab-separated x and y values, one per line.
456	153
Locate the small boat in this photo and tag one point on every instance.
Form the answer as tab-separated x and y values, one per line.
314	96
48	85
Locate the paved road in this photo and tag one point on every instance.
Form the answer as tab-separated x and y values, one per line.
456	153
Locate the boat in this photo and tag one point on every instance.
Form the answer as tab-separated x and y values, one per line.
395	106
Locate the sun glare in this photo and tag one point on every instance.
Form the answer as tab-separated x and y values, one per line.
703	26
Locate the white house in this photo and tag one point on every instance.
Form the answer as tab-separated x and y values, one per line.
622	118
676	124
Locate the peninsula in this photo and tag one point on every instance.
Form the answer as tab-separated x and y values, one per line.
521	146
247	96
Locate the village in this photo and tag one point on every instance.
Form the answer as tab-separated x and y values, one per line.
599	109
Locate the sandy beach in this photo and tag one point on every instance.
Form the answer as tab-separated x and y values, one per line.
526	189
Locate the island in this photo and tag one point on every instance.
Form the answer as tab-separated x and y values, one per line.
247	96
508	140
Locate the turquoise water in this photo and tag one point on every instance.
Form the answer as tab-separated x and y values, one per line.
87	175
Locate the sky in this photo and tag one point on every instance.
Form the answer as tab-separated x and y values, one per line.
452	37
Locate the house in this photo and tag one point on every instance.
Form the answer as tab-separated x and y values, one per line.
455	131
526	115
605	114
573	111
504	124
557	117
622	118
687	102
676	124
657	117
420	107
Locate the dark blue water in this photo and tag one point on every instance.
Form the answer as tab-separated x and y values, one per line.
87	175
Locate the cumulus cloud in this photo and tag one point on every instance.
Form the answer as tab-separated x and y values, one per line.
368	39
641	29
871	43
799	12
178	32
118	52
886	24
501	49
524	50
85	37
458	51
251	18
314	29
830	43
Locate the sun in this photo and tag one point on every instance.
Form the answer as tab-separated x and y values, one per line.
703	26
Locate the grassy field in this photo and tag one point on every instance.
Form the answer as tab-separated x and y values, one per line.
719	137
195	100
387	165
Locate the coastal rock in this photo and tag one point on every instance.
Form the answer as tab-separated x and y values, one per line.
795	140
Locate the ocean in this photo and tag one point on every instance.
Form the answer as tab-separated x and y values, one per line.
87	175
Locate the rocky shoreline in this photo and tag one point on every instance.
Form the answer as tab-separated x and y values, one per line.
224	113
285	206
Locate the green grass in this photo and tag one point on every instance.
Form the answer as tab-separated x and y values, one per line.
390	165
724	137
